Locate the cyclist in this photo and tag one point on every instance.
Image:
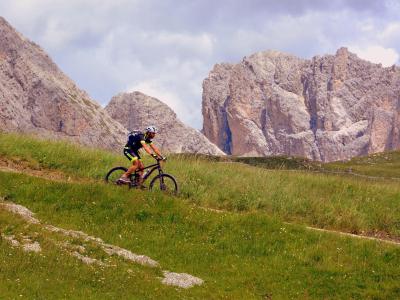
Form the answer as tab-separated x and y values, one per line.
136	141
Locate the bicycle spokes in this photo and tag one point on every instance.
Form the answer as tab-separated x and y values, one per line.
165	183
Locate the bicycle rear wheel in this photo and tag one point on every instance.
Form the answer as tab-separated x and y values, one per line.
165	183
114	174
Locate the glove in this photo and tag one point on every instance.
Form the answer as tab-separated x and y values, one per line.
154	156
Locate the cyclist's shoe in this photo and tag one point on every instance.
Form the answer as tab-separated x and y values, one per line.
123	180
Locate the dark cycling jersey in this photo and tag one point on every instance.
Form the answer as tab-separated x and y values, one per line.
136	141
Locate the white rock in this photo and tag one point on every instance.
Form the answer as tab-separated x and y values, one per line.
182	280
31	247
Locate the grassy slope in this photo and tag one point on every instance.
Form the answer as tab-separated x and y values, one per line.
385	164
335	202
246	255
238	255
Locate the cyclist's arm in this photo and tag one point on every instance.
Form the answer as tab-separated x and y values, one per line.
146	148
156	150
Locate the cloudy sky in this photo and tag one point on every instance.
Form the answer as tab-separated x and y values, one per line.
165	48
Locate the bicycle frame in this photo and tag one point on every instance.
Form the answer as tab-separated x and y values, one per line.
154	167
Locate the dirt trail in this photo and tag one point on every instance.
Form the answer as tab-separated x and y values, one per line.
9	166
359	236
352	235
22	167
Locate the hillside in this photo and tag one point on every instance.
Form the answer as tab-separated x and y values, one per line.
385	164
243	230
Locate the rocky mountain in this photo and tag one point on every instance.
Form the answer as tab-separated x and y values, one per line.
36	97
331	107
137	111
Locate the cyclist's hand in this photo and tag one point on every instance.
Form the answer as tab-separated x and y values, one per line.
154	156
163	158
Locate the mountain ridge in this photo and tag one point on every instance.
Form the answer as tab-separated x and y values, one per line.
331	107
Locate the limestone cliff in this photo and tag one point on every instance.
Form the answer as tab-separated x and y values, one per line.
36	97
328	108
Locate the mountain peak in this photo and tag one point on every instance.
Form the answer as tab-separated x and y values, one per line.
136	110
37	97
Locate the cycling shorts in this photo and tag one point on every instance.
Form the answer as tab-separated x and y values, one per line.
131	154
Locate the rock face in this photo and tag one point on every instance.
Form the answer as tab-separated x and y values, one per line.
36	97
329	108
137	111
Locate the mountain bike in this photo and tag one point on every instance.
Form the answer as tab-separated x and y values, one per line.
163	181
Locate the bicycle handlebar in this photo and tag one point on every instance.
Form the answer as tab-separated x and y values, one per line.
157	158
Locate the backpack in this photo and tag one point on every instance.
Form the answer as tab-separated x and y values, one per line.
132	136
134	132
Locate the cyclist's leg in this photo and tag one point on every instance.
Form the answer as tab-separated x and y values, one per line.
133	168
140	166
134	158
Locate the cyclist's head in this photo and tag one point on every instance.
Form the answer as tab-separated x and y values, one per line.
151	131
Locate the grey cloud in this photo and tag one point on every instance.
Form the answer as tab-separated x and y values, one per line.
205	14
110	46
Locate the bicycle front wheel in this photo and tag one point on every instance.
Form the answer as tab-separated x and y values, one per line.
114	174
165	183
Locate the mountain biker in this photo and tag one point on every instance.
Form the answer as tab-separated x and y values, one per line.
136	141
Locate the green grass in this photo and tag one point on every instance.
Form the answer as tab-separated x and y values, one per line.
240	256
280	162
385	164
54	274
272	162
246	252
57	155
328	201
321	200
